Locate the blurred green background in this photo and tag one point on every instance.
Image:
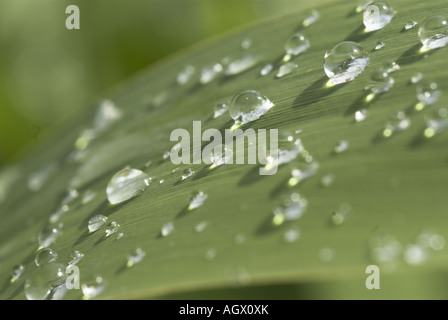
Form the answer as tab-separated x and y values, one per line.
49	73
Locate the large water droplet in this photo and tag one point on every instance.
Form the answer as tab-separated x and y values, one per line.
377	15
197	199
249	106
345	62
48	235
44	280
125	185
96	222
135	257
433	32
45	256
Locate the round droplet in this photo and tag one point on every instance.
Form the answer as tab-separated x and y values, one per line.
414	254
297	44
249	106
112	228
345	62
293	207
341	146
410	24
291	235
436	122
96	222
417	77
200	227
75	257
246	43
311	18
187	173
219	110
48	235
267	68
361	115
93	288
210	72
125	185
108	113
88	196
44	280
45	256
327	180
428	93
326	254
380	81
433	32
197	199
210	254
377	15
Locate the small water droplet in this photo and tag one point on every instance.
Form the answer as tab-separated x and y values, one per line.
200	227
397	123
242	64
293	207
339	216
433	32
197	199
249	106
417	77
291	235
48	235
377	15
361	115
311	18
135	257
390	66
44	280
85	138
58	214
166	155
45	256
246	43
219	110
380	81
108	113
187	173
327	180
428	93
379	45
162	181
362	4
112	228
436	122
286	69
167	229
210	254
414	254
96	222
93	288
239	238
326	254
75	257
267	68
302	171
220	155
209	73
17	272
296	44
185	75
38	178
125	185
410	24
345	62
385	249
341	146
88	196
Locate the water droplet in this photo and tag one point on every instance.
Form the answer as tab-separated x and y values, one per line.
341	146
361	115
58	214
70	196
210	254
414	254
267	68
433	32
167	229
187	173
296	44
38	178
362	5
96	222
397	123
186	75
436	122
428	93
88	196
302	171
17	272
108	113
339	216
239	238
345	62
291	235
286	69
249	106
243	64
379	45
45	256
48	235
44	280
410	24
379	82
384	249
93	288
327	180
209	73
162	181
390	67
289	148
75	257
200	226
166	155
85	138
125	185
246	43
417	77
220	155
293	207
377	15
197	199
311	18
326	254
135	257
220	109
112	228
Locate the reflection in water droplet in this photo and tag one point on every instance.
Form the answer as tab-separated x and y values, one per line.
48	235
112	228
45	256
135	257
377	15
125	185
433	32
44	280
220	109
96	222
410	24
249	106
187	173
197	199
